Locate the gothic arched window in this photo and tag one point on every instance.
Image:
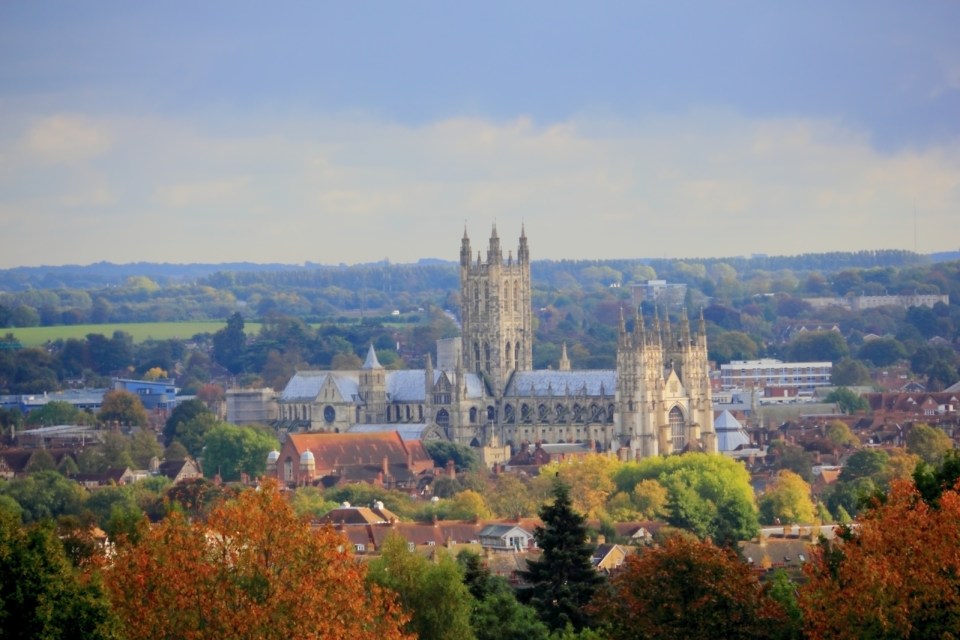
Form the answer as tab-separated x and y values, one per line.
509	414
577	413
526	414
443	418
473	415
544	413
677	428
509	353
561	412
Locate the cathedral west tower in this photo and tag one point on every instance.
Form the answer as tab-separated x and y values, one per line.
496	311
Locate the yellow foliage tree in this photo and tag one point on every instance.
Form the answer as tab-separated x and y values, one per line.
787	500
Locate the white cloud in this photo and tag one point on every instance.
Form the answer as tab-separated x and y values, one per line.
351	188
65	139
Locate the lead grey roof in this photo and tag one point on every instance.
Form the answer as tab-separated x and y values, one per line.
558	383
407	386
305	386
371	362
407	432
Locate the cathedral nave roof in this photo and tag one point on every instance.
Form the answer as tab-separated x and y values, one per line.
599	383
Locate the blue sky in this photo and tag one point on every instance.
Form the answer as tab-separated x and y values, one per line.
352	132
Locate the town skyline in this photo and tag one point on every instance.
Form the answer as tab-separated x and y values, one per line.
330	135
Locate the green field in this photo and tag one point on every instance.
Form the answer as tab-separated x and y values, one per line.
35	336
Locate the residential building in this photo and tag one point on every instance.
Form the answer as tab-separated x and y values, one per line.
768	372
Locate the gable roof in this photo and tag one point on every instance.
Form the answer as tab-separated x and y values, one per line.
333	450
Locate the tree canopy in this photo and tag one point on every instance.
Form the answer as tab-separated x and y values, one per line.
251	570
687	588
897	575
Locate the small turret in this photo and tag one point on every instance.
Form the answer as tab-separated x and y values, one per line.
494	255
371	362
465	252
523	254
685	328
564	360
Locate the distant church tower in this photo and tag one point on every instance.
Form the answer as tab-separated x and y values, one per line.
373	389
497	311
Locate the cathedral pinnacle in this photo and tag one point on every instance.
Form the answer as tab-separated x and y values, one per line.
371	362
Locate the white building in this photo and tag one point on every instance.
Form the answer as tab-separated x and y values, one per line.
754	374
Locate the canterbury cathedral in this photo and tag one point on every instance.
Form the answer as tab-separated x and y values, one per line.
482	389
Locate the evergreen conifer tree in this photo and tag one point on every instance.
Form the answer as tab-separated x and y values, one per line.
563	581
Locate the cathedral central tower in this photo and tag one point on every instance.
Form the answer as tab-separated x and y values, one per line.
496	311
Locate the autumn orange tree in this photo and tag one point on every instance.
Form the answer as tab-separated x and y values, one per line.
686	588
251	570
897	575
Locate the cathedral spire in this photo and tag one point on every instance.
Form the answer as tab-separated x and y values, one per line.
564	360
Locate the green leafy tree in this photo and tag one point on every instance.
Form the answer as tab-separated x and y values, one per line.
115	450
309	502
932	480
183	413
650	498
793	457
45	495
708	495
882	352
783	590
58	412
732	345
433	593
40	461
442	451
496	614
930	443
562	580
41	594
144	447
818	346
848	400
840	435
511	497
231	450
191	434
866	463
849	373
230	344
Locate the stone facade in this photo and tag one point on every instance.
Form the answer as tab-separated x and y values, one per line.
656	401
